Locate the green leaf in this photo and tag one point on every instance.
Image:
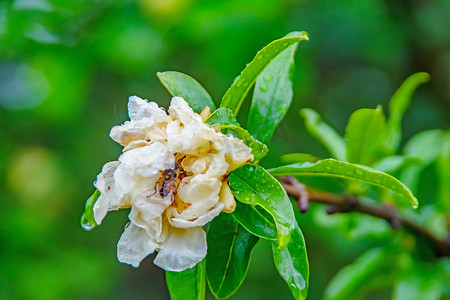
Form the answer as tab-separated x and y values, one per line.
228	257
253	185
272	95
221	117
292	264
397	106
335	168
235	95
298	157
188	284
224	119
415	285
425	146
324	133
393	163
87	219
356	279
186	87
256	220
444	171
363	134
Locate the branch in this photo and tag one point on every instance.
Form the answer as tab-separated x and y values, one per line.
344	204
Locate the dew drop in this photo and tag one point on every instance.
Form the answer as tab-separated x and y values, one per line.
268	78
359	172
86	224
263	88
328	167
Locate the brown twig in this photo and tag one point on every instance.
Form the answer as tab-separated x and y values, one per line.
343	204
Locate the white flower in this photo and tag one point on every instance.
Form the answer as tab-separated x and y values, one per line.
173	174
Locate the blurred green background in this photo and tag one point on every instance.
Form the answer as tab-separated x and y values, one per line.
68	67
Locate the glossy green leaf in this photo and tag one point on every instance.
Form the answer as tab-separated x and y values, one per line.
324	133
228	257
393	163
415	285
186	87
292	264
335	168
426	146
355	280
188	284
272	95
397	106
253	185
444	171
87	219
363	134
235	95
256	220
298	157
224	119
222	116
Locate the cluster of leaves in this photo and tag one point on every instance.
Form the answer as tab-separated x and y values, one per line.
263	208
373	141
365	156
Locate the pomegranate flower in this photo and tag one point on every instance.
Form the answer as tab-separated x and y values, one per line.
173	175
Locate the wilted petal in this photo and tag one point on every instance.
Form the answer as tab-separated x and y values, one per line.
226	197
139	108
201	192
150	204
196	165
145	129
134	245
181	110
149	160
183	249
237	153
109	199
200	221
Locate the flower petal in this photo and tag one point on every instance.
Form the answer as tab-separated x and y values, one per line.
226	197
201	192
200	221
134	245
139	109
149	160
181	110
108	199
183	249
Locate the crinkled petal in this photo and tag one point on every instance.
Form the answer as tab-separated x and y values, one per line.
134	245
200	221
201	192
145	129
156	228
237	153
149	160
109	199
196	165
194	138
181	110
150	204
139	108
183	249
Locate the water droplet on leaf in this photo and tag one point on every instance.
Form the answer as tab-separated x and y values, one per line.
263	88
268	78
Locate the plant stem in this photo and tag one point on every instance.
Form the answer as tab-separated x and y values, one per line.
344	204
